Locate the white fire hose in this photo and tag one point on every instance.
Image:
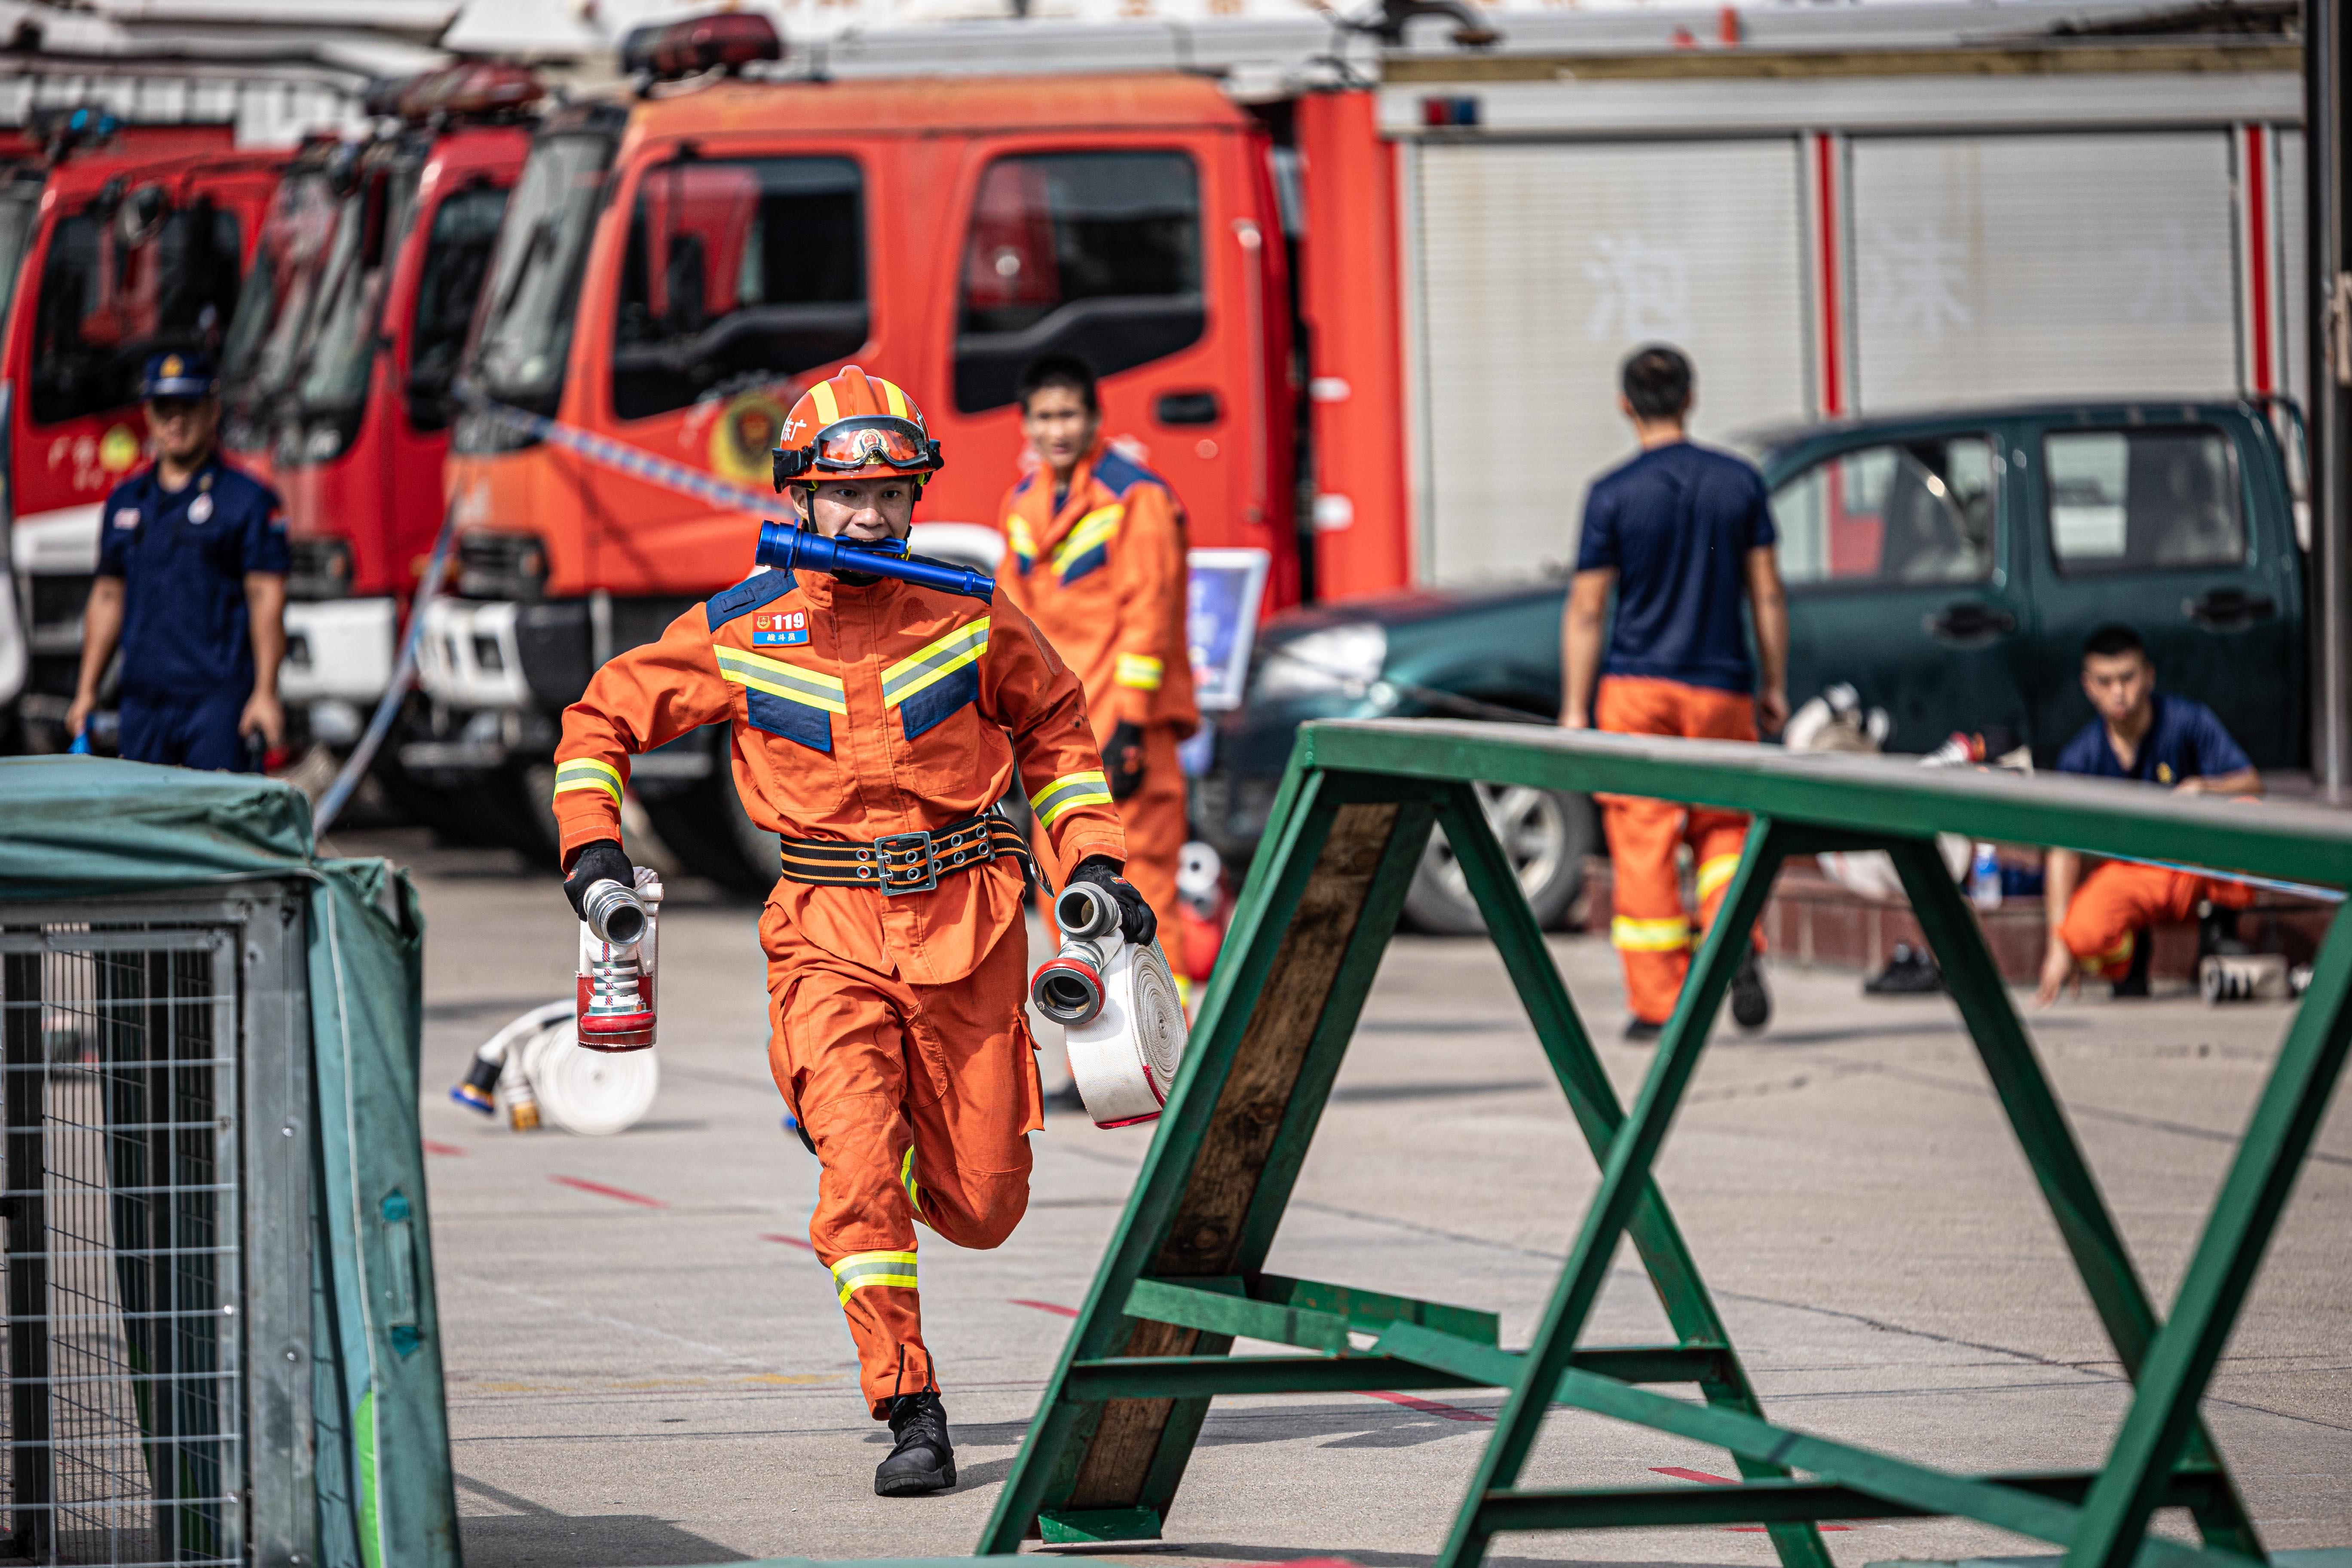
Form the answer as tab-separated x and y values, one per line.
1117	1003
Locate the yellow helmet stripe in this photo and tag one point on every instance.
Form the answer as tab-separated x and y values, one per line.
895	398
827	410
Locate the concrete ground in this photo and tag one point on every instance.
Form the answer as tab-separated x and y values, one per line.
1846	1181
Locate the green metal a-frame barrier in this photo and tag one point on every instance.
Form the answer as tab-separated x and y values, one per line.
1184	1274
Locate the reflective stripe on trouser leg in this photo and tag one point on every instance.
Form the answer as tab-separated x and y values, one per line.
1651	930
869	1270
2118	899
1717	839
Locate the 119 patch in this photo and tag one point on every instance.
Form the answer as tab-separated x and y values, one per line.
779	629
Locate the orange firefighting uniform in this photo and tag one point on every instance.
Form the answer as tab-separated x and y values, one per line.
1103	575
2118	899
899	1036
1652	931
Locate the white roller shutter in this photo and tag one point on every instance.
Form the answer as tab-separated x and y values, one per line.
1540	267
2293	269
1989	268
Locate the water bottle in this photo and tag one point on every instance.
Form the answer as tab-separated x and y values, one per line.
1984	879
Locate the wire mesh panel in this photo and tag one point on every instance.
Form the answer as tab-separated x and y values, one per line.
123	1265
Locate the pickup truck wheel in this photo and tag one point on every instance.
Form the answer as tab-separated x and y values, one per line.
1546	833
707	828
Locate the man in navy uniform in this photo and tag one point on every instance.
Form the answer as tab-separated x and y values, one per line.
192	583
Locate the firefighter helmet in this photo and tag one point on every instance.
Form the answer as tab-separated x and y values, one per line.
854	427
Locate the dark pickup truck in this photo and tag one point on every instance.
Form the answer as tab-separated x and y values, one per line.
1946	566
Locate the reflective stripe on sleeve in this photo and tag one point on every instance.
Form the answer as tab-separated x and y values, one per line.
1649	936
1024	542
1139	671
934	661
1715	872
586	772
1088	788
907	1179
861	1269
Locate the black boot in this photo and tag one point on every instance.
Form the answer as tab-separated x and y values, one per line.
924	1461
1752	1004
2135	981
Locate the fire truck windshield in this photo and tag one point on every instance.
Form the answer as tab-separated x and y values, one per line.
526	329
739	273
126	277
20	208
338	352
260	354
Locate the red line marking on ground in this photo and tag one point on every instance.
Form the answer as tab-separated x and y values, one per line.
1427	1406
432	1148
1680	1474
601	1191
805	1245
1058	1310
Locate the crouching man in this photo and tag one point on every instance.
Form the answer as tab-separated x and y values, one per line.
2146	735
875	724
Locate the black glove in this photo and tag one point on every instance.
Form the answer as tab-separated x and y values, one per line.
1122	757
600	861
1137	923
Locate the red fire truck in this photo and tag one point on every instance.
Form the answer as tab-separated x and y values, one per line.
118	249
342	389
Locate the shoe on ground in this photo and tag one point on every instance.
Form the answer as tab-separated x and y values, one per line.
2133	984
924	1461
1641	1031
1751	1004
1910	972
2217	933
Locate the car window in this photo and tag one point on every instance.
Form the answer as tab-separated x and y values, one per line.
2139	500
739	273
1094	254
1903	512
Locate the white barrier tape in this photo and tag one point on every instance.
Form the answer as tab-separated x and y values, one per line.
634	461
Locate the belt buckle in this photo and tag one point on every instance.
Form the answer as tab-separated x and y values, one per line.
906	844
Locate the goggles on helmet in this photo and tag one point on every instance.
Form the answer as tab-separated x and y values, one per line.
848	444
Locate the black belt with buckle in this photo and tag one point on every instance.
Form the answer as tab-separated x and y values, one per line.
904	862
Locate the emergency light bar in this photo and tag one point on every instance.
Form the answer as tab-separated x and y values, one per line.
785	548
476	90
728	40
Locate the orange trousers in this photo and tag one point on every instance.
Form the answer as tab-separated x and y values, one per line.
1156	828
1652	931
2119	899
920	1099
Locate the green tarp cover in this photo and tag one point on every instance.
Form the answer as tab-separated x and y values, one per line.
77	826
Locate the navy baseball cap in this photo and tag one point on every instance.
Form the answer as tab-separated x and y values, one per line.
179	374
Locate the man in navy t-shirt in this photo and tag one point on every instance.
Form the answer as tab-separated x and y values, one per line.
1683	536
2149	737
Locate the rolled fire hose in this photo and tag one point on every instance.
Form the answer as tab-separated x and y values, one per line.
1117	1002
542	1072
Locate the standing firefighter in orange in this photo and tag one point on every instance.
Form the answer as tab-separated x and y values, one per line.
1682	538
1097	547
876	723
